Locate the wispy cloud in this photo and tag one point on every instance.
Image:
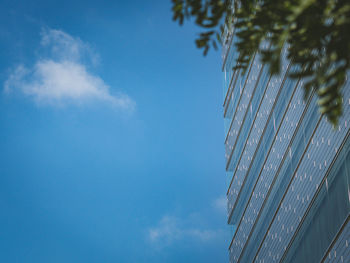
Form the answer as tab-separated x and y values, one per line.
220	204
62	46
166	231
171	229
62	76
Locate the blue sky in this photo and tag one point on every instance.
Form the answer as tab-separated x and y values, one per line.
111	135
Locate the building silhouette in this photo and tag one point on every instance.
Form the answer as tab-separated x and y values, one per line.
287	168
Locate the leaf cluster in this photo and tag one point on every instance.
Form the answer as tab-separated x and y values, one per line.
209	15
316	32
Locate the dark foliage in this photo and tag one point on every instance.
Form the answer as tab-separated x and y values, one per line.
316	32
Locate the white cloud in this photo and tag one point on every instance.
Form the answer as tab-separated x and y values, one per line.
63	76
220	204
62	46
171	229
166	231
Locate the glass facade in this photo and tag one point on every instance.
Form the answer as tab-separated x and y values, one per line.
287	168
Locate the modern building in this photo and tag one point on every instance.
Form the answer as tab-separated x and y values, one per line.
288	169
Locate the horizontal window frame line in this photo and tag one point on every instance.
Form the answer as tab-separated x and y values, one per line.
279	168
256	84
346	221
230	87
240	96
261	137
289	184
228	50
315	196
267	156
245	116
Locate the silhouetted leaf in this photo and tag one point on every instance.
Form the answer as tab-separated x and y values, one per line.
317	33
